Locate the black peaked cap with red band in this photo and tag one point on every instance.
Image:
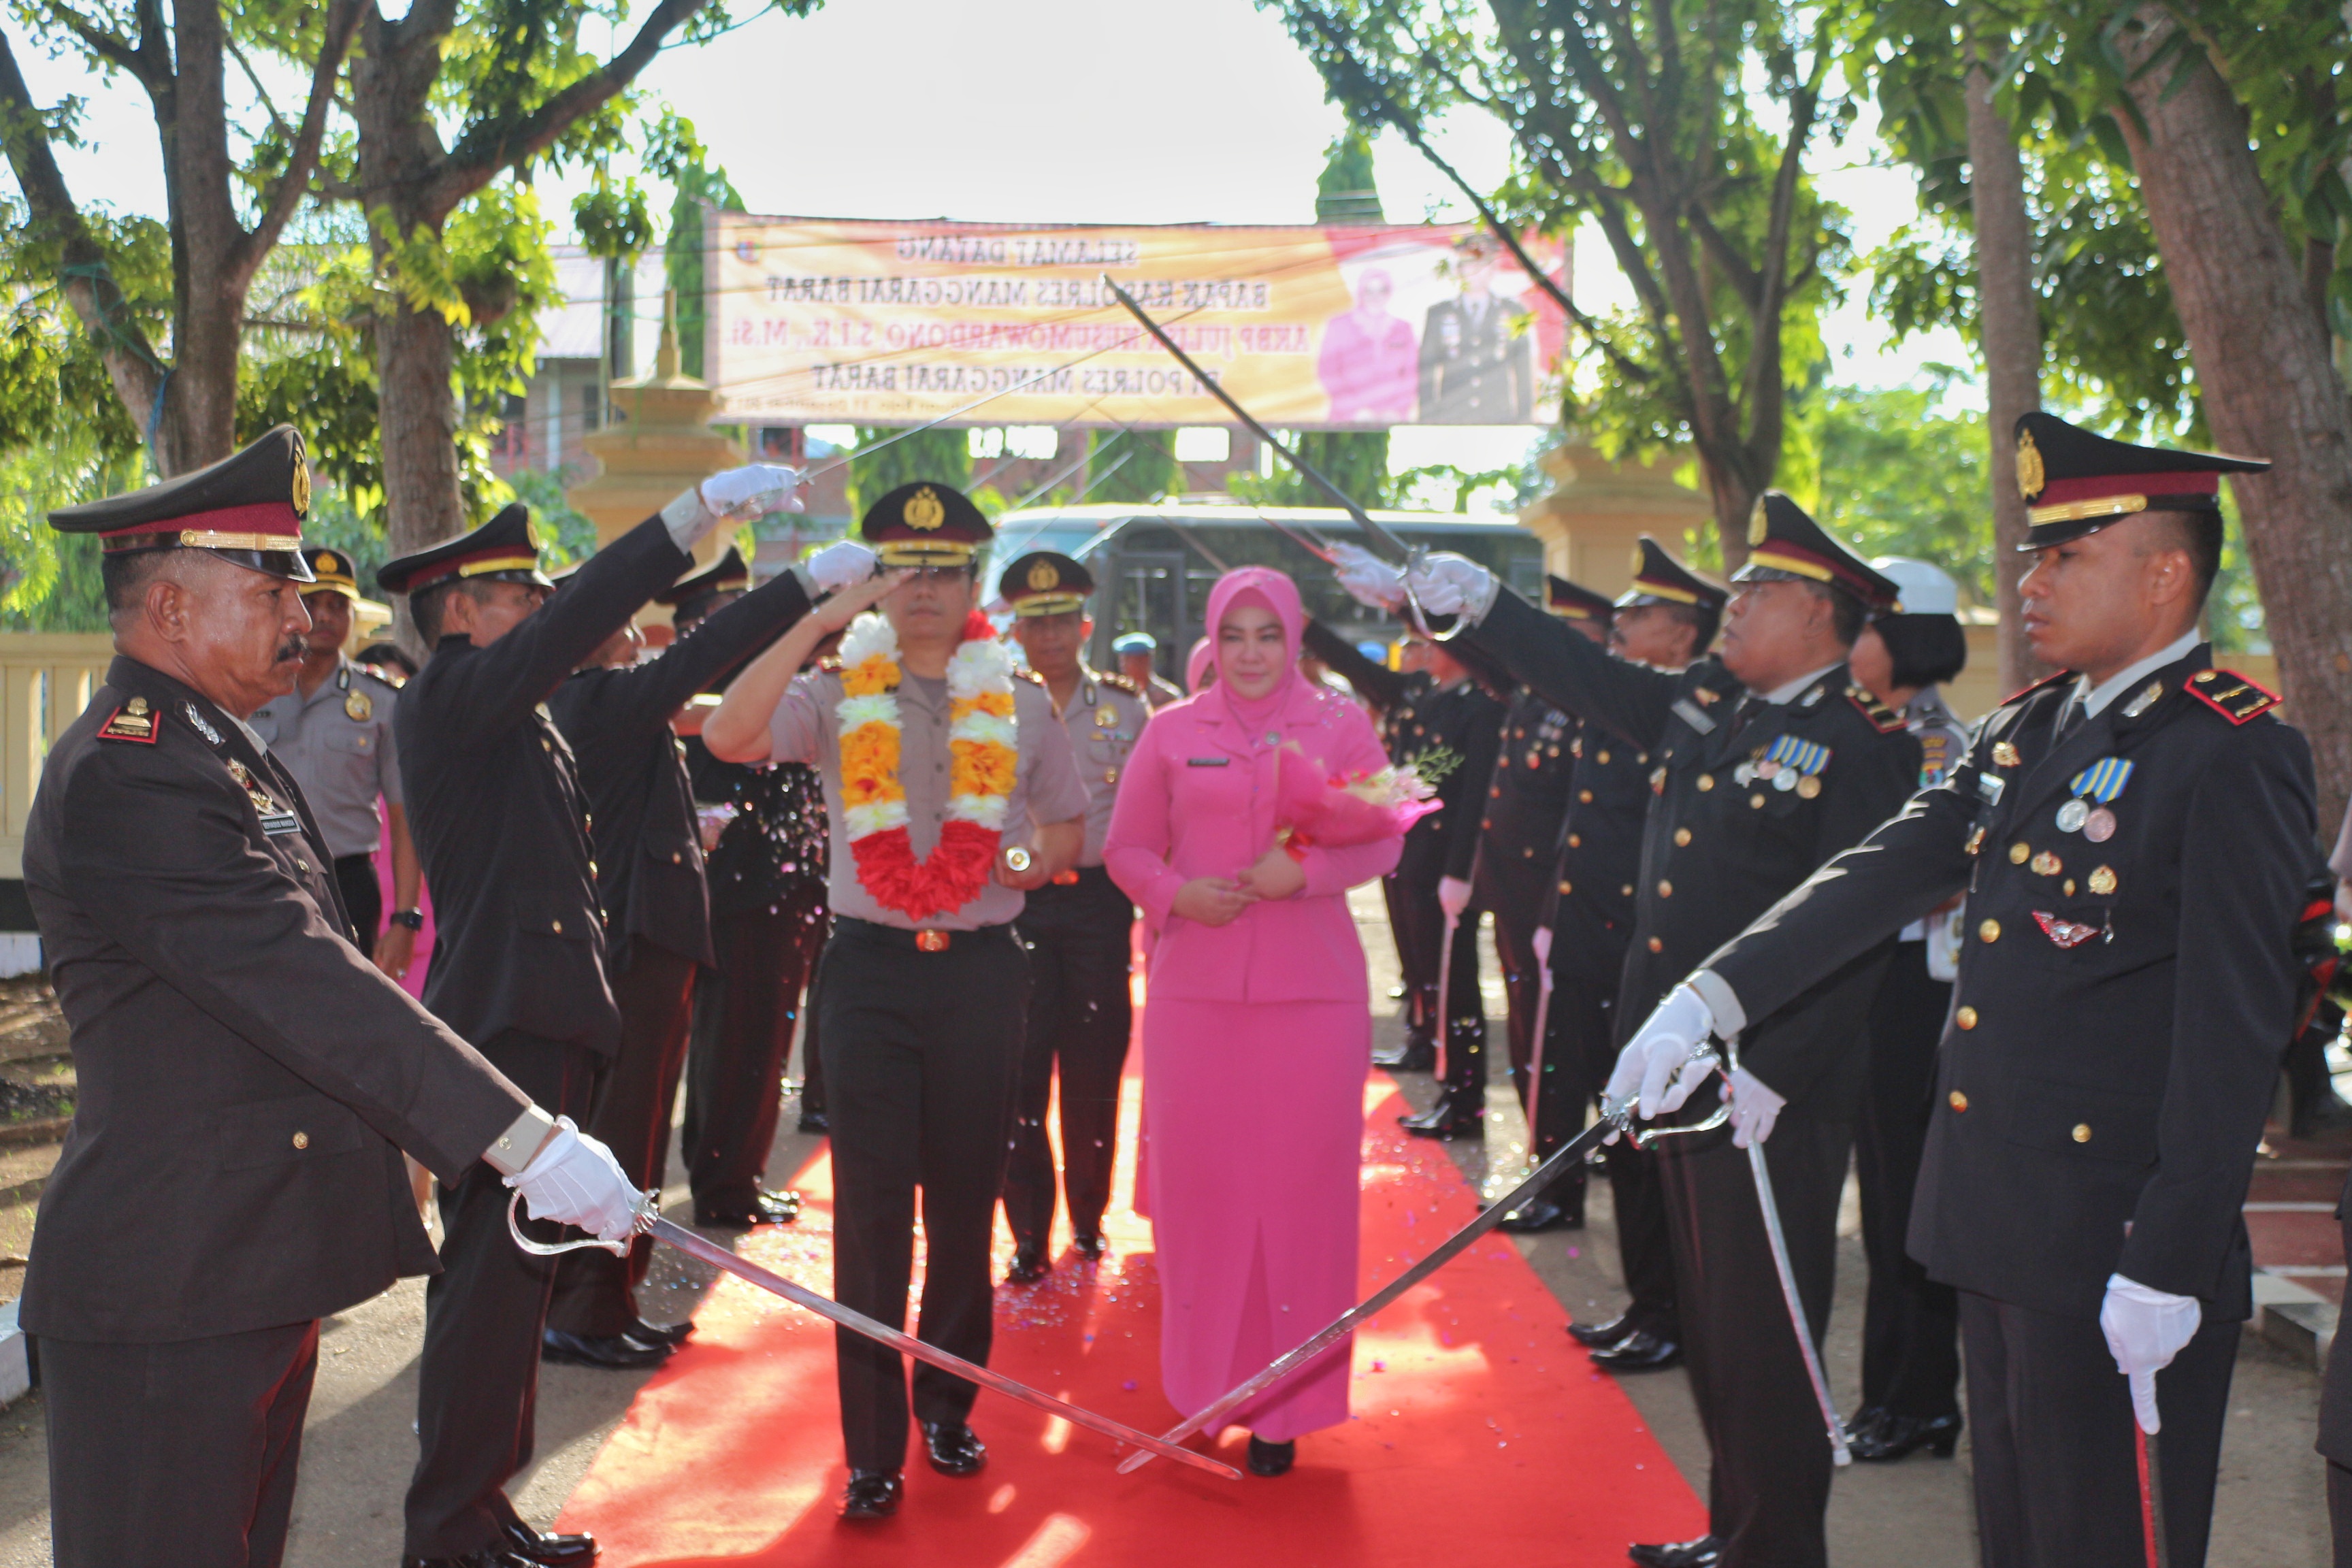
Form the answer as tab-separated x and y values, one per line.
2075	483
1784	543
1572	601
248	508
503	550
1044	583
1660	579
727	574
926	524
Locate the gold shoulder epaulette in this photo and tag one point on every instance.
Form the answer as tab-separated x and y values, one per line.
1882	719
2231	695
135	721
1030	676
1122	683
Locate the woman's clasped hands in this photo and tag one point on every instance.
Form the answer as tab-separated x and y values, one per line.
1219	900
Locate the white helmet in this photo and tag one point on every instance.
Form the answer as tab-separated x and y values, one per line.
1925	589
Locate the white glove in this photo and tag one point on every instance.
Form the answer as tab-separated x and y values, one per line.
743	492
1450	584
1541	944
574	1180
1656	1061
1754	1107
2146	1329
1453	896
1369	581
838	565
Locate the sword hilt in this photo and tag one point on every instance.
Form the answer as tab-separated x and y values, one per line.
647	1210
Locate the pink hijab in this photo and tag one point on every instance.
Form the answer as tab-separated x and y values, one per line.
1197	663
1271	590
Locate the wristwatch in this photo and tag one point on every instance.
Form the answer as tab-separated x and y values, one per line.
413	919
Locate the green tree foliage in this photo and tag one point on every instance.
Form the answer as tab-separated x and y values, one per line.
875	470
1355	460
1146	470
1891	472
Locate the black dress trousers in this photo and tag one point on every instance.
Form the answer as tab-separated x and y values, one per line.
363	898
923	1059
478	1377
1080	1015
1579	1055
743	1023
1910	1325
2056	1449
1768	1482
1419	924
179	1454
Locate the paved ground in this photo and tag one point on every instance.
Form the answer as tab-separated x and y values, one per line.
360	1444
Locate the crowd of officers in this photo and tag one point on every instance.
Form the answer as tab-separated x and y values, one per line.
1697	812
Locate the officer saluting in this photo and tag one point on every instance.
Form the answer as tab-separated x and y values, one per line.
249	1077
2133	835
1077	927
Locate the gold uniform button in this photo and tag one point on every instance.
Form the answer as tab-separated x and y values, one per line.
1566	889
1656	946
676	857
1989	931
302	1140
1956	1101
1756	801
558	927
1682	837
1665	889
301	865
1705	783
1603	759
545	744
2019	851
1965	1017
1575	842
2081	1132
1585	796
1627	889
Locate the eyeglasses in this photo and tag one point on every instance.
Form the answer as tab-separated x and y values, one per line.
937	573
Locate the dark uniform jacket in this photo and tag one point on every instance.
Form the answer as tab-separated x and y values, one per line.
774	847
2121	1005
501	823
1718	849
1525	806
648	851
1599	856
247	1077
1476	372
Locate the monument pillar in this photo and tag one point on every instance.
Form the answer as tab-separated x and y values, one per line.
1596	511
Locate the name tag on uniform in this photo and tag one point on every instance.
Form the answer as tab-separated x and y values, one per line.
1208	761
1692	714
1990	785
282	822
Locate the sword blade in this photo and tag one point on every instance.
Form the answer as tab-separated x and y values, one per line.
1444	1001
710	1252
1534	1066
1839	1453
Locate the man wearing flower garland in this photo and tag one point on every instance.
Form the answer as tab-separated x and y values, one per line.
952	791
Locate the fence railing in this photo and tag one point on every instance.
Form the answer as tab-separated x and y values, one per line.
46	680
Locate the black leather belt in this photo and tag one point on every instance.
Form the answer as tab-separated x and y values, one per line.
906	940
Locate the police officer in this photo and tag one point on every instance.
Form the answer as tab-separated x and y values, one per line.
1910	1327
1766	761
616	712
2134	836
249	1077
333	734
1078	928
942	821
1138	653
768	923
502	823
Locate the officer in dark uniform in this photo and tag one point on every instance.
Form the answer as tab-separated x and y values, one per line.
1078	928
502	823
2134	836
249	1077
1766	761
648	849
1519	835
768	923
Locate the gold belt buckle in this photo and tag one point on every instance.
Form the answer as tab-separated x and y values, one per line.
932	941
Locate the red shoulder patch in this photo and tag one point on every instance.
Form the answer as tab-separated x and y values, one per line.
135	721
1882	719
2231	695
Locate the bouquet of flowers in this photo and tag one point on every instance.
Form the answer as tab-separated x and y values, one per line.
1312	808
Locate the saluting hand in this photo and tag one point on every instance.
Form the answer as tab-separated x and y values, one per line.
848	602
1212	901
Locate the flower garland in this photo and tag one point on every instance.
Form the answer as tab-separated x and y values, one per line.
982	741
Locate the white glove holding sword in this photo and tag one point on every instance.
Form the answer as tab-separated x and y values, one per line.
1657	1064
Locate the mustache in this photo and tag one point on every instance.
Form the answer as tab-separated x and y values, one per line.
290	651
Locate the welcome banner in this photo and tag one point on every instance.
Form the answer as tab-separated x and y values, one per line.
837	321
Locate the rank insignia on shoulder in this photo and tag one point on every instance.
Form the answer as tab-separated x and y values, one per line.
131	722
1122	683
1882	719
2231	695
830	664
203	726
1030	676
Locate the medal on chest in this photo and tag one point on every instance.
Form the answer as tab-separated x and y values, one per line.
2093	789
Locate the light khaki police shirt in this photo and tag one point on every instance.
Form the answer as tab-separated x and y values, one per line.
1104	719
337	742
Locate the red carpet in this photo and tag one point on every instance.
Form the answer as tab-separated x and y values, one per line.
1480	1435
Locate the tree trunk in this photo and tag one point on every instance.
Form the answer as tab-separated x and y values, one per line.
2010	319
2270	388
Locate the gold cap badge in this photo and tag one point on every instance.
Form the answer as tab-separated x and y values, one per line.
328	563
924	511
2031	476
302	496
1044	576
136	706
1758	522
1637	561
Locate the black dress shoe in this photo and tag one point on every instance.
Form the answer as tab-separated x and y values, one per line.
488	1557
1030	1265
1542	1213
1704	1552
1641	1350
954	1448
765	1208
1601	1336
1896	1437
872	1494
814	1121
1090	1244
551	1550
1416	1055
614	1352
647	1333
1456	1113
1271	1458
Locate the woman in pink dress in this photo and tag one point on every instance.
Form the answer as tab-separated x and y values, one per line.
1258	979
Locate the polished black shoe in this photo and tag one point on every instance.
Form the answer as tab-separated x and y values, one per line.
765	1208
1030	1265
872	1494
1601	1336
647	1333
613	1352
955	1450
1640	1351
551	1550
488	1557
1542	1213
814	1121
1271	1458
1704	1552
1893	1437
1090	1244
1455	1115
1416	1055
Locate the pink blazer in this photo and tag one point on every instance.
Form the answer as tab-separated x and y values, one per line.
1197	800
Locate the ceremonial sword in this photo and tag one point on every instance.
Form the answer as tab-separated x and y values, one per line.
649	1222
